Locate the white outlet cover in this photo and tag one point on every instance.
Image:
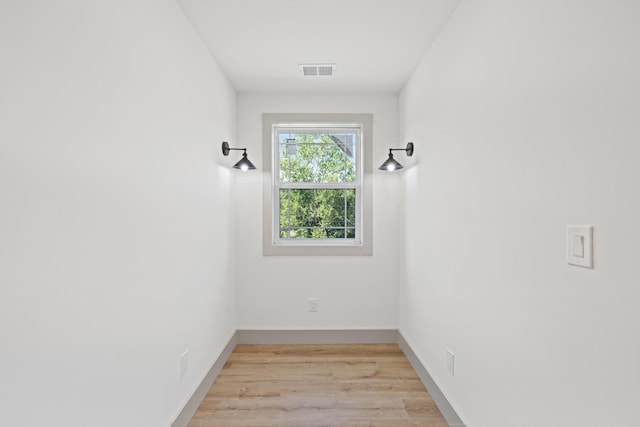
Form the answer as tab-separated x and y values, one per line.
184	363
580	245
450	362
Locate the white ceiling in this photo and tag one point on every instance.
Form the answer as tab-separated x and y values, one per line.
376	44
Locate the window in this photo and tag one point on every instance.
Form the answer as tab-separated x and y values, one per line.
317	195
317	183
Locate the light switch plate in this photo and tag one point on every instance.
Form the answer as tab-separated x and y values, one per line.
580	245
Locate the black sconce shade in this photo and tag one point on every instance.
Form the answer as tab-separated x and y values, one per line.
390	164
244	163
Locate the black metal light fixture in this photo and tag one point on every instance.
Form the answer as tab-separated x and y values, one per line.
392	164
244	163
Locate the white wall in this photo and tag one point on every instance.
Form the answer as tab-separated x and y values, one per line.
353	292
113	260
526	116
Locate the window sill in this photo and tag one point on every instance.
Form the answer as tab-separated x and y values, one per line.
272	249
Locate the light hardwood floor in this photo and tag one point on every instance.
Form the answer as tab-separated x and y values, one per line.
318	385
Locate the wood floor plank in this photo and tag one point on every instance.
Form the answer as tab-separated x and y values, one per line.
318	385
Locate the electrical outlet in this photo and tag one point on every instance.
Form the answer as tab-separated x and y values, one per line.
313	305
184	363
450	361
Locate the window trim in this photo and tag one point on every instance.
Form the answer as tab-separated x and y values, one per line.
270	246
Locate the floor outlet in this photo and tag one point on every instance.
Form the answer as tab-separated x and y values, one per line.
313	305
450	361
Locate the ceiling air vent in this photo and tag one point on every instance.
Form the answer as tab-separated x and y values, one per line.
318	70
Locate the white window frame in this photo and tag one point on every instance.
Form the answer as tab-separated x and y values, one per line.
272	243
332	128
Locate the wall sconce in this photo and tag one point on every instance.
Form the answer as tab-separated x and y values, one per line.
392	164
244	163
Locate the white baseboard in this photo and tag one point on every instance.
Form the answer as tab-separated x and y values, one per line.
190	408
350	336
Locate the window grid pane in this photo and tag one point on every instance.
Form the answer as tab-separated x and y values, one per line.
317	213
317	157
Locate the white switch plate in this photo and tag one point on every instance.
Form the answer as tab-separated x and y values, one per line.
313	305
580	245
